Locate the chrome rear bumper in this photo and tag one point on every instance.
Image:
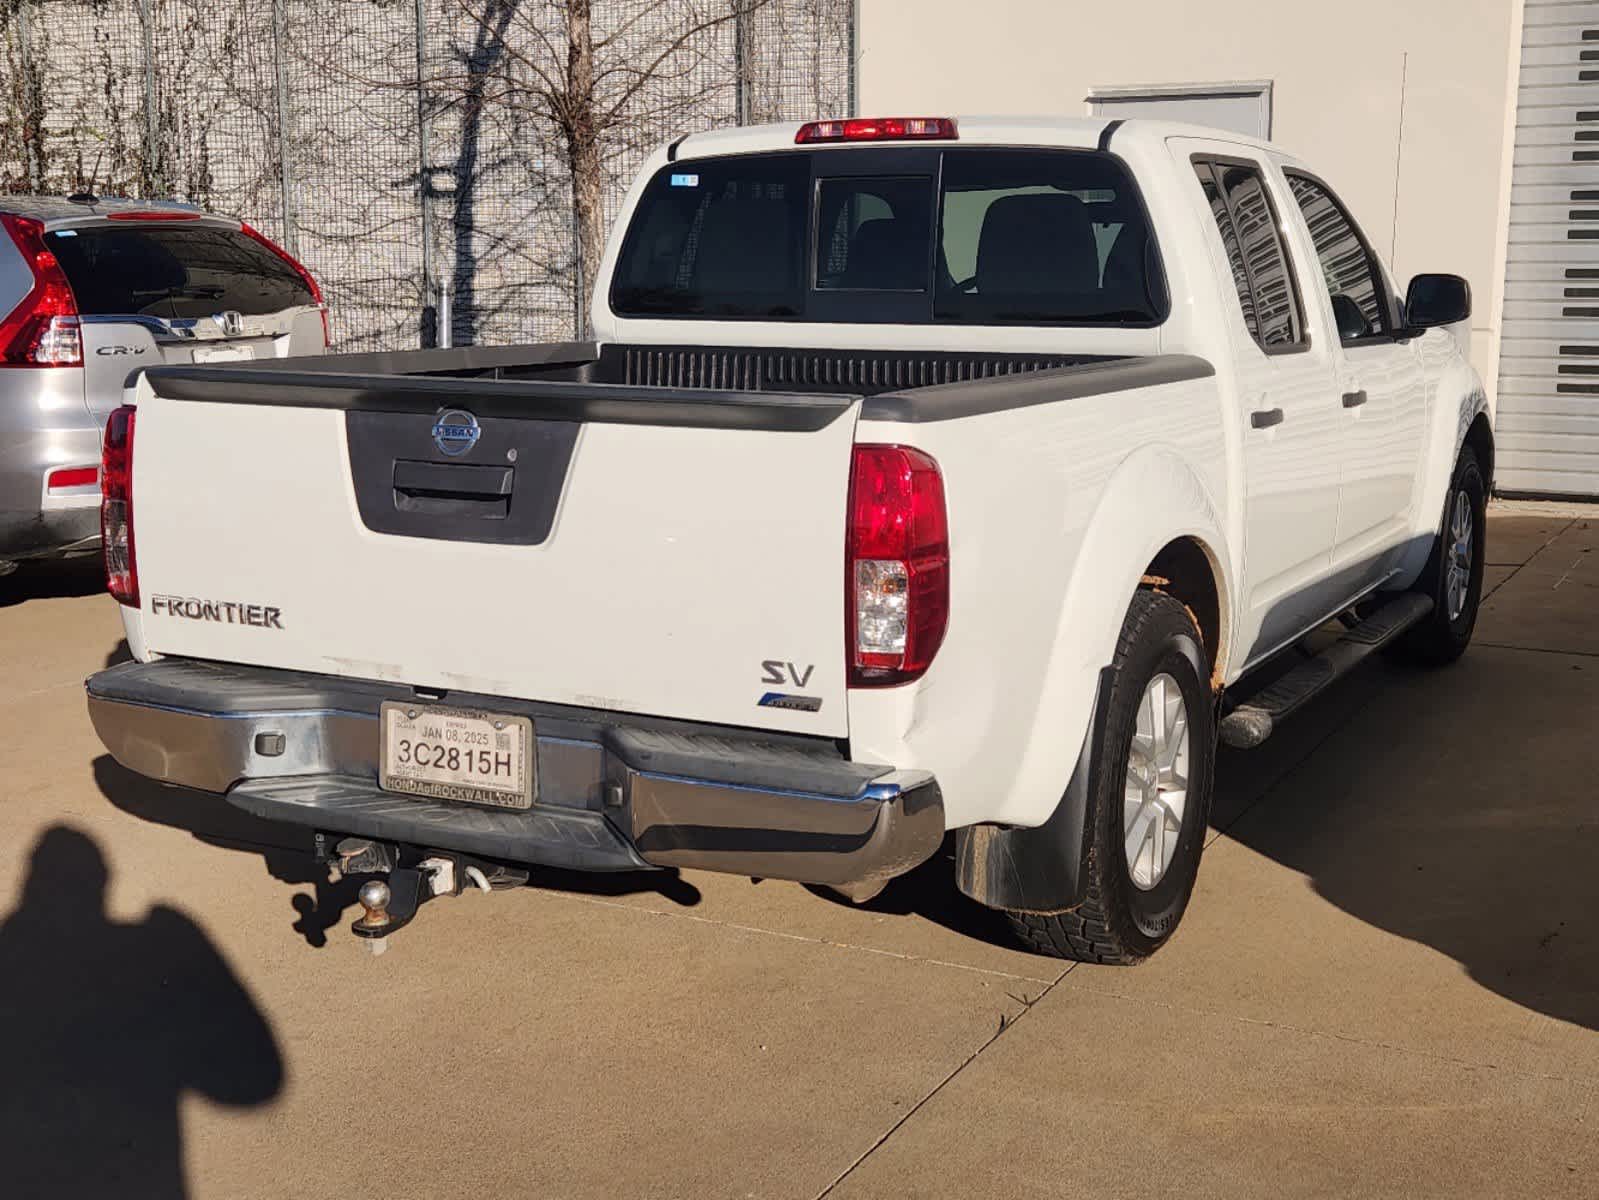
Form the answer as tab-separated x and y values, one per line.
614	792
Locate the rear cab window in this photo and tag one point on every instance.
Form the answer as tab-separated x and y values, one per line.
960	236
174	271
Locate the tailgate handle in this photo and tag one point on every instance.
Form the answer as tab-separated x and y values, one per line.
453	489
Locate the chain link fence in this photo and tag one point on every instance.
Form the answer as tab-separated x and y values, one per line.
415	154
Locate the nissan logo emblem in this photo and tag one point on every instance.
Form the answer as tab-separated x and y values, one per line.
455	432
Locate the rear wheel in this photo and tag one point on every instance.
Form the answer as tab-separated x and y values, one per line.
1151	795
1453	574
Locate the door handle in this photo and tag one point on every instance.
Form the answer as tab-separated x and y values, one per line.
1354	399
1265	418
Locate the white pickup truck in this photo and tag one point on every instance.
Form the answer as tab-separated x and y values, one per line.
924	476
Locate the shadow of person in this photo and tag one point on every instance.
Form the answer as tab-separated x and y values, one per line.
286	850
104	1027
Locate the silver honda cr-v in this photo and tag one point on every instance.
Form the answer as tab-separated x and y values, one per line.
92	290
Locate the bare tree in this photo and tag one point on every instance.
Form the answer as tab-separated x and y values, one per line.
23	160
604	91
456	146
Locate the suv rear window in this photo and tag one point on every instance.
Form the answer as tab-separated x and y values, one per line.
174	271
975	236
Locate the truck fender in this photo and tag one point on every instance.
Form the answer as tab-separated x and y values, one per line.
1153	499
1458	401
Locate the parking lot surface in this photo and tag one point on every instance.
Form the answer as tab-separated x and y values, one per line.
1387	983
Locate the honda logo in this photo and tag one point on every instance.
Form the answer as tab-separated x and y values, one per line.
232	323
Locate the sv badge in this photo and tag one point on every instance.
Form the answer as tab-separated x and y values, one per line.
773	671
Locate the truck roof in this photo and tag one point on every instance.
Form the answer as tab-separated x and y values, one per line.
975	130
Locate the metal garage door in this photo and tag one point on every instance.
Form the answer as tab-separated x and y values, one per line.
1548	418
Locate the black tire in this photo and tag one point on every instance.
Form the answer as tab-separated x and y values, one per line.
1119	921
1439	639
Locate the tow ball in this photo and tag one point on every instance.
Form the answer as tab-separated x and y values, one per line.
390	903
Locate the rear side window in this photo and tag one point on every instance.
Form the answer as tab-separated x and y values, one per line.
1354	283
174	271
1247	221
977	236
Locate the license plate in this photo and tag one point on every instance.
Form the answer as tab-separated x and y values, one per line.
457	754
215	354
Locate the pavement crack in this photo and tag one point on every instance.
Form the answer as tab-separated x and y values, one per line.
1538	650
940	1086
801	937
1549	541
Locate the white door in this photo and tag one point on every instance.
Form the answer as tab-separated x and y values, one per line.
1381	392
1288	388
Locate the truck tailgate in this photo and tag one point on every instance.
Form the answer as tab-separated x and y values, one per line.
594	545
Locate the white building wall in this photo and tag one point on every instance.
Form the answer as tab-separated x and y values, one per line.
1404	106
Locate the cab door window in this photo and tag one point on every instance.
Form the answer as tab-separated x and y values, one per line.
1354	280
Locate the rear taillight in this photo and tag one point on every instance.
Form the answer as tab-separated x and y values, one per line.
310	282
896	566
42	331
877	129
116	508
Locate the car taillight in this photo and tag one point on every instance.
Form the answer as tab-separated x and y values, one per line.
877	129
896	567
42	331
116	507
310	282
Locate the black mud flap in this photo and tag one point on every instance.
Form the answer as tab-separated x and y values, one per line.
1041	869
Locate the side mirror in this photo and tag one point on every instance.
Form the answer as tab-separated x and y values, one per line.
1435	300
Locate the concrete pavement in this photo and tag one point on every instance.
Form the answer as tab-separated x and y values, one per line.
1388	982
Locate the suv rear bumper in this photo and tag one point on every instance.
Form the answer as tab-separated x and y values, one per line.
44	426
615	792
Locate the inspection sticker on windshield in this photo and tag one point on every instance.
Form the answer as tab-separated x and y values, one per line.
457	754
685	181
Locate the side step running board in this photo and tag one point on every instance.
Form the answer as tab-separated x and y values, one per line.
1252	722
